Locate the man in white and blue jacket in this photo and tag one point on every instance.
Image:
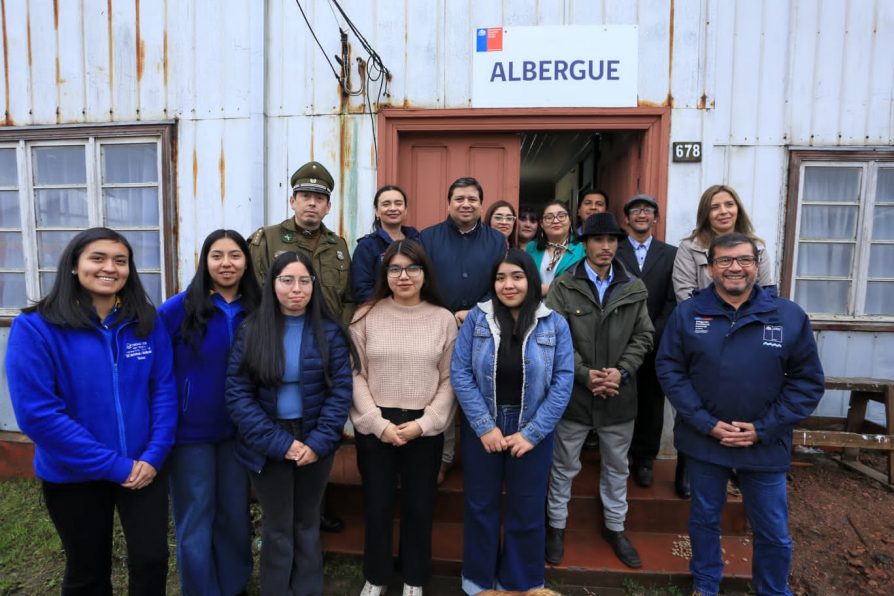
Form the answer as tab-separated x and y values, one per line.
741	368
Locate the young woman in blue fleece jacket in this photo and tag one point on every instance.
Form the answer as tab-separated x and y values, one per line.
289	384
92	385
512	372
209	487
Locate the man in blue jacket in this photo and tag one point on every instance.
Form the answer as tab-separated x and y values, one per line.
463	252
741	367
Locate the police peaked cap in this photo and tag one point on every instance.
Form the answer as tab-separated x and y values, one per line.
312	177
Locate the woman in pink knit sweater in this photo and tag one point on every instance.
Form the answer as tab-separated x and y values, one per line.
403	401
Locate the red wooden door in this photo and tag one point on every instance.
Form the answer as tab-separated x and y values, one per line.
429	162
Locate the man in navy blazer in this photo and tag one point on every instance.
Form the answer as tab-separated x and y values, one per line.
652	261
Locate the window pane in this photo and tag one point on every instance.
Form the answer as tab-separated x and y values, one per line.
129	163
831	184
59	165
46	282
881	260
152	285
11	252
822	296
50	246
829	223
880	298
131	206
9	209
64	207
12	290
883	223
146	248
884	192
9	175
825	259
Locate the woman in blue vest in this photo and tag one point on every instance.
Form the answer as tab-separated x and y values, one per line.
555	250
512	372
209	487
91	381
390	204
289	388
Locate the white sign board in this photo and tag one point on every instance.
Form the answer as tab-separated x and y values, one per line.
573	66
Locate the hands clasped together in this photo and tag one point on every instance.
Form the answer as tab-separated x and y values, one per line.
735	434
301	454
494	442
604	382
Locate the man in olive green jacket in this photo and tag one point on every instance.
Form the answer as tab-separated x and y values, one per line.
610	326
305	233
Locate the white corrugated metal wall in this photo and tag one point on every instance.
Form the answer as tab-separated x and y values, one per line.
254	96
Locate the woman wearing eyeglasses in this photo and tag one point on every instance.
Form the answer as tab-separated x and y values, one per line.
288	392
555	251
403	401
720	211
501	217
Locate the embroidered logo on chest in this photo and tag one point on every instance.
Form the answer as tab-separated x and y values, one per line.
702	324
773	336
137	349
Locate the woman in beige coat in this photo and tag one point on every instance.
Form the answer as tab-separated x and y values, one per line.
720	211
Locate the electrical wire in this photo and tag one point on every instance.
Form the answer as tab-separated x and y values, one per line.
325	55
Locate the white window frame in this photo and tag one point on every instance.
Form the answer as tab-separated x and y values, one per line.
869	163
92	140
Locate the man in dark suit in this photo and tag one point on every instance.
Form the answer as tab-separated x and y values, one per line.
652	261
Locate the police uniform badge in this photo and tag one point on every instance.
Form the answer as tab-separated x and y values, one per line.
339	255
288	237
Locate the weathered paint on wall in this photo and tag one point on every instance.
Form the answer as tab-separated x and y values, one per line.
254	97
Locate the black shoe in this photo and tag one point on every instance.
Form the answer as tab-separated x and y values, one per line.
681	478
624	549
331	523
555	545
643	476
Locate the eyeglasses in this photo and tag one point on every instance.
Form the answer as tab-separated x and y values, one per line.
744	261
287	281
411	270
641	210
503	218
551	217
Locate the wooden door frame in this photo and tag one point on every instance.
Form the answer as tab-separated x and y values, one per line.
654	123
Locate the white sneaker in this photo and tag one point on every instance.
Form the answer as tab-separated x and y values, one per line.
412	590
373	590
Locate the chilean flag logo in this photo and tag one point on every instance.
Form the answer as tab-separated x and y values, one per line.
490	39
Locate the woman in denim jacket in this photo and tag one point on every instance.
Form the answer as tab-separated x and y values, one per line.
512	372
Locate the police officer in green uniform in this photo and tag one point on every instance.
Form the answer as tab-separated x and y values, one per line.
305	233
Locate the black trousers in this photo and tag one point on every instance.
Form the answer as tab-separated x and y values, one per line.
381	464
649	414
83	514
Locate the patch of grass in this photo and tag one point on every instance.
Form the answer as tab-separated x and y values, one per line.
31	558
633	588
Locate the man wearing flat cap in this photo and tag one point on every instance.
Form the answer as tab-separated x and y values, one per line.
652	261
605	306
305	233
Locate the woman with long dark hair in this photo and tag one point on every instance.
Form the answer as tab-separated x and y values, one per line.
209	487
92	384
390	203
512	372
501	217
402	404
288	391
555	250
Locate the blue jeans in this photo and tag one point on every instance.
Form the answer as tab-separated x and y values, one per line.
209	499
519	566
766	505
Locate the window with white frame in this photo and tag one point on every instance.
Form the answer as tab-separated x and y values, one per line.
843	265
52	189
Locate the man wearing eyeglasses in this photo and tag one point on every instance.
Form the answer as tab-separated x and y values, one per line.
463	253
741	367
652	261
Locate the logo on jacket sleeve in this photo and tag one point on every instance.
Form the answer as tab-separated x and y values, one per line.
137	349
773	336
